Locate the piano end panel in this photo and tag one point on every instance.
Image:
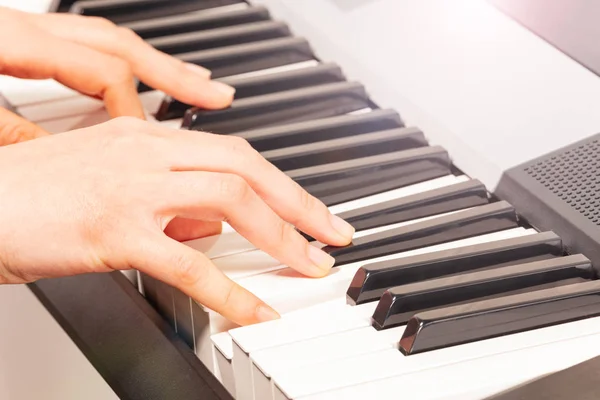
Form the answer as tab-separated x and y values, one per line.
560	191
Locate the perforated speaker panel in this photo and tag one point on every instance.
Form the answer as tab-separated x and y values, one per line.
560	192
574	177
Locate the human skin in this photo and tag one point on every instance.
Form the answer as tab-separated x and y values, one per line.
120	195
99	59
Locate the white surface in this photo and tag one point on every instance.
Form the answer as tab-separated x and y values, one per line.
37	358
37	6
486	368
469	76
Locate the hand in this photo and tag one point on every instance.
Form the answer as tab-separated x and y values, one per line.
99	199
97	58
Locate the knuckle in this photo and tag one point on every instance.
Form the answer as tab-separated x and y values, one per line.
285	232
234	189
128	34
240	149
187	271
13	133
228	296
307	201
100	22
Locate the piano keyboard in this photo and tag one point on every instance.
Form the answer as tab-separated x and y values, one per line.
445	292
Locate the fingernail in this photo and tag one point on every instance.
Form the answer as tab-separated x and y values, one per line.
265	313
222	88
320	259
342	227
198	70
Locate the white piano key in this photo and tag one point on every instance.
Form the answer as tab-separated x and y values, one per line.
255	262
224	244
270	363
223	355
287	290
282	68
231	242
398	193
32	6
291	294
325	319
75	122
483	368
80	105
23	92
71	106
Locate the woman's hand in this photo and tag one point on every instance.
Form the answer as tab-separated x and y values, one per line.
99	199
97	58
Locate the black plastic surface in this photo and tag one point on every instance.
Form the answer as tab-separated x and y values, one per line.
432	202
463	224
220	37
321	129
348	148
119	11
343	181
579	382
561	191
278	108
371	280
126	340
196	21
400	303
260	85
233	60
486	319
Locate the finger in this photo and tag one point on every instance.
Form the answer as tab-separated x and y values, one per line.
78	67
188	83
182	229
191	272
15	129
215	196
219	153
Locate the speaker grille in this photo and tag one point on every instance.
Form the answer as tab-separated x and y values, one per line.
573	176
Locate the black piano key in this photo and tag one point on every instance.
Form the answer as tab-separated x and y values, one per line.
372	280
487	319
213	18
277	108
432	202
400	303
119	11
347	148
251	86
343	181
460	225
305	132
250	57
220	37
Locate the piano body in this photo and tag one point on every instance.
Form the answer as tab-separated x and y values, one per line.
461	144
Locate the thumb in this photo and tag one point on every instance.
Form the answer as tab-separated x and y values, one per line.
15	129
195	275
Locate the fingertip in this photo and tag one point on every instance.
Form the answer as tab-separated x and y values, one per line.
264	313
212	95
344	231
198	70
321	262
